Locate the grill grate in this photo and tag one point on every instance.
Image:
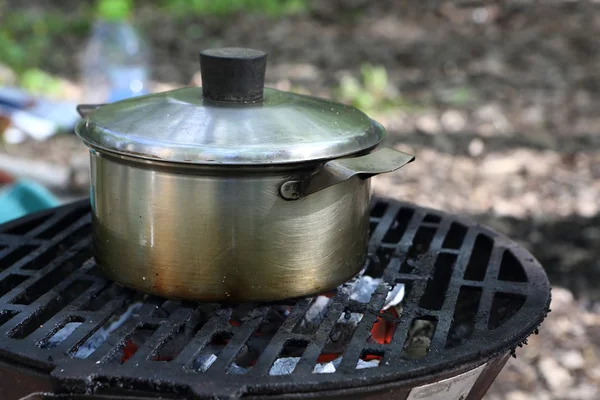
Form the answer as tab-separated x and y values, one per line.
470	294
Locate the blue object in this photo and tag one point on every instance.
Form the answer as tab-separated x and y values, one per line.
24	197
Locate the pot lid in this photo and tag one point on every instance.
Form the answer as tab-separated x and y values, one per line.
231	120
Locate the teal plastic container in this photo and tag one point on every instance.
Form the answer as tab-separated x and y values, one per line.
24	197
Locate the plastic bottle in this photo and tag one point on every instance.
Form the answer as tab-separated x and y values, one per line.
115	63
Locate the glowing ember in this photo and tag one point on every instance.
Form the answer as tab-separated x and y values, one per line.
383	329
128	351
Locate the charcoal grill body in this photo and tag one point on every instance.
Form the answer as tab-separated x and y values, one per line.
485	294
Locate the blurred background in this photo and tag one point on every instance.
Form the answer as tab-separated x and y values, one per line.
499	101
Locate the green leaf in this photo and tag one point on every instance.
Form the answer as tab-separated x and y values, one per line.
39	82
374	78
114	10
460	96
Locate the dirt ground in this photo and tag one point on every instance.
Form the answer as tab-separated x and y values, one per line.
500	107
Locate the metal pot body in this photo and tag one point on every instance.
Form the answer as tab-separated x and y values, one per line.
223	234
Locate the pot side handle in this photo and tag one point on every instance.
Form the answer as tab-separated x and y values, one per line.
342	169
84	110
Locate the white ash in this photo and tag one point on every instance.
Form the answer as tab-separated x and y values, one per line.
365	287
331	366
315	313
102	334
362	364
235	369
61	335
328	367
347	322
361	291
324	368
284	366
395	296
318	308
203	362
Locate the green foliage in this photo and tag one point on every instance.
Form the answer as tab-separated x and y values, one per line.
25	36
11	53
114	10
460	96
227	7
375	79
38	82
370	92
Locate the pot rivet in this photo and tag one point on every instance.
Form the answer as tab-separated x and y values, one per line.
290	190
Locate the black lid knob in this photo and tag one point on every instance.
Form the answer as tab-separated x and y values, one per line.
233	74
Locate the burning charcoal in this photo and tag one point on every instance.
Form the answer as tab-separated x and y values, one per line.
284	366
383	329
133	344
130	348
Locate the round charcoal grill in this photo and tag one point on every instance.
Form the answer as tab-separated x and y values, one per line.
471	296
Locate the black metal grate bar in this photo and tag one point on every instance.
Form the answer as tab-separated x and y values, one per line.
439	340
217	323
267	358
165	331
219	367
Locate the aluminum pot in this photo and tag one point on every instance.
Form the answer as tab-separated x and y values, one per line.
232	192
